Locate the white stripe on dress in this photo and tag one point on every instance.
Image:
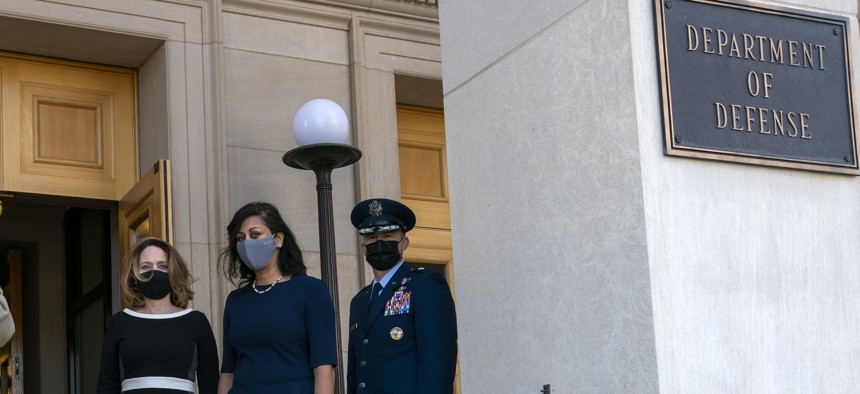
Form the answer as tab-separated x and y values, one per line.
157	382
158	316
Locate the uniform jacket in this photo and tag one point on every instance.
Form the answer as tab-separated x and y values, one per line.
7	326
418	305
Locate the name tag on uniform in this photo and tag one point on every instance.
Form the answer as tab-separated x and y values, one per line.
398	304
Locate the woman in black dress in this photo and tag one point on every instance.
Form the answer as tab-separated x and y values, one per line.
157	344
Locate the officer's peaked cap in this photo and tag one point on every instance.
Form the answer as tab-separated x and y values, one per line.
381	215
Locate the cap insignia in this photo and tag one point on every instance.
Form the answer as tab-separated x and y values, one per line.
375	208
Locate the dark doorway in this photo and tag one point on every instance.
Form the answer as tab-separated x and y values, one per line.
88	301
69	258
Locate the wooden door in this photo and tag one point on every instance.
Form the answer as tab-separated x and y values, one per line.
424	188
147	209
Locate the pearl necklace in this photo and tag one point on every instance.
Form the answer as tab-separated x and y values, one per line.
254	285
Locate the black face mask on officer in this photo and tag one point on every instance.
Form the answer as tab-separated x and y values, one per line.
383	255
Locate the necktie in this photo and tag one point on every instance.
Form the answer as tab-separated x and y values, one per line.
374	294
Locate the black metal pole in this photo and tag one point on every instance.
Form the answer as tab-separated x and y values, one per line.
328	260
323	159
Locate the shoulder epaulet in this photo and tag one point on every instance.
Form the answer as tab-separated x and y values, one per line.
419	269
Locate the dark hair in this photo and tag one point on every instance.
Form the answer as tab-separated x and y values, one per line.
177	271
289	256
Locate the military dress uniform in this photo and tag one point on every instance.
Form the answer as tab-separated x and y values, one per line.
404	341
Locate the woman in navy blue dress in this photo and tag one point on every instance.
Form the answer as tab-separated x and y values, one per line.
279	324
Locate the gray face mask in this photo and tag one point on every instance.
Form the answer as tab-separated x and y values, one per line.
256	253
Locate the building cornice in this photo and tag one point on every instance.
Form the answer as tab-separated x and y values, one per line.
322	10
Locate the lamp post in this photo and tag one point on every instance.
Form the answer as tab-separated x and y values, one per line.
321	128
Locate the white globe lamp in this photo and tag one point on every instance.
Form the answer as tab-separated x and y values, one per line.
320	121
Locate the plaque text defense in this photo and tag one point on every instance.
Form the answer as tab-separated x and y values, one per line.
780	122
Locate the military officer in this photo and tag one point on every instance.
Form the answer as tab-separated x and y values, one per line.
402	327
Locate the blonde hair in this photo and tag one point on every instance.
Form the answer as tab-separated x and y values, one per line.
177	270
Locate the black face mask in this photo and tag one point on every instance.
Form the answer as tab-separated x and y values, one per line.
383	255
157	287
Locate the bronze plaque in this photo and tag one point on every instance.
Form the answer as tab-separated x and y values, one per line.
756	84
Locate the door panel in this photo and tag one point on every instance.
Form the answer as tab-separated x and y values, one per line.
67	129
423	165
424	186
146	210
